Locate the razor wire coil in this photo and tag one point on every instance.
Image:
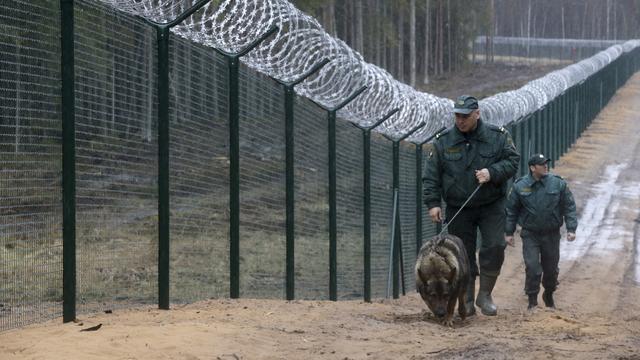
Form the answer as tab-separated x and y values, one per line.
300	43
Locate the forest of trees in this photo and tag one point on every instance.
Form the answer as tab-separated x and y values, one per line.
418	39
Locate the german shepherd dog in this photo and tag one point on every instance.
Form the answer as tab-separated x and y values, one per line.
442	275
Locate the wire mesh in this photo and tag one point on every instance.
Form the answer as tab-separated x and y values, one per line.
429	228
116	160
408	212
350	210
311	201
199	173
30	167
262	186
381	212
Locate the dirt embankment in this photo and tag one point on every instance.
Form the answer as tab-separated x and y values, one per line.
598	315
483	80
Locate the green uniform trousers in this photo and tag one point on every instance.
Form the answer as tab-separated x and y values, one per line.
490	219
541	253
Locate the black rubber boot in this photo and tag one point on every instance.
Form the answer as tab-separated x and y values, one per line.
547	296
471	291
533	301
484	300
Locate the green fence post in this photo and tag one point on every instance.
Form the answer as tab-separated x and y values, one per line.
552	131
524	141
233	63
366	144
289	95
162	31
562	128
517	139
333	225
163	167
68	162
525	149
556	129
539	135
548	130
577	112
515	133
585	93
601	100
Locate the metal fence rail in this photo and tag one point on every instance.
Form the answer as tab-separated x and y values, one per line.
187	175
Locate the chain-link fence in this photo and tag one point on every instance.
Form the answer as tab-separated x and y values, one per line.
172	173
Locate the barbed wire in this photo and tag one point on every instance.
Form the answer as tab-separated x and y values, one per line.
300	43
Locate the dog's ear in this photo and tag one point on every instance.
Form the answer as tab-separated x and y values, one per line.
440	240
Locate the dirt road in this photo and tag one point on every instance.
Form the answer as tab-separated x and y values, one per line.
598	315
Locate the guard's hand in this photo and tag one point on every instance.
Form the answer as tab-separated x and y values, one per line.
436	214
483	175
571	236
510	240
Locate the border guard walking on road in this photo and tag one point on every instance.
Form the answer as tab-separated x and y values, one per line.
540	202
469	166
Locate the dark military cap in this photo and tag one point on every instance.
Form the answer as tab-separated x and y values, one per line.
465	104
538	159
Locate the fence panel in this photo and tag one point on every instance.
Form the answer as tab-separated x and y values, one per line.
116	162
262	186
311	201
381	212
30	166
199	173
350	210
408	212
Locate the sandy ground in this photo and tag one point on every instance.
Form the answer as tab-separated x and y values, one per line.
598	315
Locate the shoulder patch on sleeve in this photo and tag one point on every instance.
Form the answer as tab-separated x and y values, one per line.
558	176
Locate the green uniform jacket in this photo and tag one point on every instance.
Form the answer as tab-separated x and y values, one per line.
540	206
453	159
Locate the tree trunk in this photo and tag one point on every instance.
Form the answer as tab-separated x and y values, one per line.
449	42
494	26
427	41
529	29
384	62
329	17
563	30
584	19
608	19
412	41
400	64
440	29
359	29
